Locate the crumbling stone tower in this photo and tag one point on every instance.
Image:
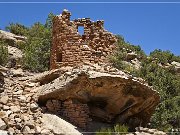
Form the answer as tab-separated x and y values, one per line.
70	48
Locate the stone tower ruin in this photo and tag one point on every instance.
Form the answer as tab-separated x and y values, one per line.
71	48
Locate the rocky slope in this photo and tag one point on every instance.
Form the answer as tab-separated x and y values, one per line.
71	100
23	96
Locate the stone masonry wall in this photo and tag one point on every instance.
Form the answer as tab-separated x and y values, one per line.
70	48
76	113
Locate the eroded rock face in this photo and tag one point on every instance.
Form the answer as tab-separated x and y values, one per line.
111	95
12	41
11	38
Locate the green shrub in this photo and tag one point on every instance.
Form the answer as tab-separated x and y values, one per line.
120	129
105	131
168	86
116	130
17	29
119	56
176	58
3	53
165	80
162	57
37	47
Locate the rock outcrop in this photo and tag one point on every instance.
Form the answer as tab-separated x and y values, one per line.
177	66
11	38
58	125
110	95
12	41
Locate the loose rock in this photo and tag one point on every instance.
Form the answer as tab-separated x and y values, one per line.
2	125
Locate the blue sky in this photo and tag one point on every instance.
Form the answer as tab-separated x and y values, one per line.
155	25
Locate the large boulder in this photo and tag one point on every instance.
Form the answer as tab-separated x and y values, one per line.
111	95
58	125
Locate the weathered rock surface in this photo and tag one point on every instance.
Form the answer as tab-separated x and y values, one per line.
110	96
2	125
15	54
131	56
147	131
58	125
2	132
177	66
11	38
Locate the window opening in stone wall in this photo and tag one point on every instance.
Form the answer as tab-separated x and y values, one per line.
81	30
59	56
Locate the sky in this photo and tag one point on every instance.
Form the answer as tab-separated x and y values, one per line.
150	25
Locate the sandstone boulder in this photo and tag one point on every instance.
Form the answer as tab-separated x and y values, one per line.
58	125
2	132
110	97
2	125
15	56
4	100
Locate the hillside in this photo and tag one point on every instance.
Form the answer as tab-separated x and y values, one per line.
55	81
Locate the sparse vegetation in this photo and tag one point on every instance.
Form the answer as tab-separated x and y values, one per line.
163	79
123	48
168	85
116	130
36	49
3	53
17	29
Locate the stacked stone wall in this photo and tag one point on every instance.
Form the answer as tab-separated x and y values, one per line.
70	48
76	113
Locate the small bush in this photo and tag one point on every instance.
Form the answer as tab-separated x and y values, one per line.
3	53
116	130
162	57
120	129
123	48
17	29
